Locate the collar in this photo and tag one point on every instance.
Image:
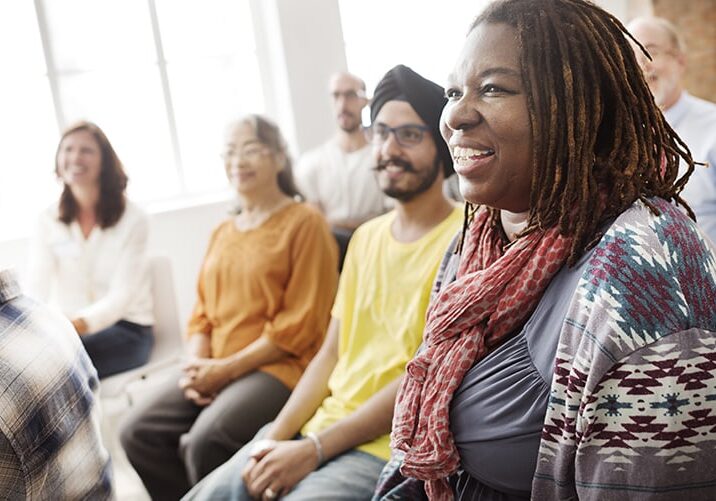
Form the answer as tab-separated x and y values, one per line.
9	288
513	223
678	111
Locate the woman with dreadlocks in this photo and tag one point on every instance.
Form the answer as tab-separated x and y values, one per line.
569	352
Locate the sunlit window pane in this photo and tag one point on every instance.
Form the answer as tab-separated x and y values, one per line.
20	42
207	95
213	78
429	43
28	129
217	28
130	109
91	34
28	134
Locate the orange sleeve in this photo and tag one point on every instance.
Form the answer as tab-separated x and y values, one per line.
199	321
301	322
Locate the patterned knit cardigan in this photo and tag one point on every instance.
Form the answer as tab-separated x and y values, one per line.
632	411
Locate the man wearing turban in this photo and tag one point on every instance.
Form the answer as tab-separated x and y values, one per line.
331	439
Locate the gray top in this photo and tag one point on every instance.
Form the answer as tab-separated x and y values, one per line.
498	411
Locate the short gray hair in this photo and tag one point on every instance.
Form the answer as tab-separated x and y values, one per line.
677	40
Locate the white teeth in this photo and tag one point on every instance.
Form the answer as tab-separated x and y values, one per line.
460	153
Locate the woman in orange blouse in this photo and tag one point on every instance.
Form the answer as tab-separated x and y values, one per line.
264	297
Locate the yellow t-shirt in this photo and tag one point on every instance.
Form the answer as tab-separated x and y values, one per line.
382	297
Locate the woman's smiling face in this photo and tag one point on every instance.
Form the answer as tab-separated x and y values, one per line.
250	165
486	121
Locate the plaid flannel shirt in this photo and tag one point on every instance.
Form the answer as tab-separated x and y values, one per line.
50	446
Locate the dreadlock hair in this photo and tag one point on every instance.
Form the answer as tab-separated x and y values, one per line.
112	181
599	139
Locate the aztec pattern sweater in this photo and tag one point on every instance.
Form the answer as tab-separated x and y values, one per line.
633	400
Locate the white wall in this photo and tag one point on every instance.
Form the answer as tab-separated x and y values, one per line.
313	49
300	46
183	235
13	254
626	10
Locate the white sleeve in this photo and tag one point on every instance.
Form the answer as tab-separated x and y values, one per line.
129	274
42	265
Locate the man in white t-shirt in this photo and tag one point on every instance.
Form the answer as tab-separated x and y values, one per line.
693	119
337	177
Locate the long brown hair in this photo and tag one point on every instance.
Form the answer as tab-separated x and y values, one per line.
112	180
600	141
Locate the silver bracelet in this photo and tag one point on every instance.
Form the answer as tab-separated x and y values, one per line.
317	444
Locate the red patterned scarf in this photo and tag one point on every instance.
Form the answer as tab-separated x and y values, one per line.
494	293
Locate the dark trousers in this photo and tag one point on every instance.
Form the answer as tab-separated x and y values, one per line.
118	348
343	237
172	443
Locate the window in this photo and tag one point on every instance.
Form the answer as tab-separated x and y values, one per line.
213	76
160	77
28	128
426	36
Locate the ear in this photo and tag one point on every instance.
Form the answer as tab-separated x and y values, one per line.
281	161
681	60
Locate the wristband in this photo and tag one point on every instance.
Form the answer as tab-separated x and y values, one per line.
317	444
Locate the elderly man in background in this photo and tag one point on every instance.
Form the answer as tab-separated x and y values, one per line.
693	119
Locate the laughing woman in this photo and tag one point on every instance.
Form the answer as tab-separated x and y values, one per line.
88	256
264	297
569	353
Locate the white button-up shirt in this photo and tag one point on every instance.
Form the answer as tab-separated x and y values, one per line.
103	278
694	120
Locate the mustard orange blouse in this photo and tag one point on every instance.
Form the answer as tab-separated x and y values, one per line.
277	280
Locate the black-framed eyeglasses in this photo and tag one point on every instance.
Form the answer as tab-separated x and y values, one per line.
348	95
406	135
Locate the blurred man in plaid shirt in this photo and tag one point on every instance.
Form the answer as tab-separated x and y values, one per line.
49	429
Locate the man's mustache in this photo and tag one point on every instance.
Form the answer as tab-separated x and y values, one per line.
407	166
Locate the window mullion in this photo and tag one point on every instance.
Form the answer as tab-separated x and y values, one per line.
52	75
168	103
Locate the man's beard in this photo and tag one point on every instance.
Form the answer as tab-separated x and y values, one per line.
426	179
352	125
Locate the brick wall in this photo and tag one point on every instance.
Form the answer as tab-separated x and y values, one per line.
696	20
